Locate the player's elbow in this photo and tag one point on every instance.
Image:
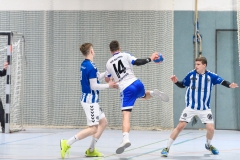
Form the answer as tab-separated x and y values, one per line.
93	88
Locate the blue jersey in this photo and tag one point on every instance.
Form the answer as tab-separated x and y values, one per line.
88	70
199	88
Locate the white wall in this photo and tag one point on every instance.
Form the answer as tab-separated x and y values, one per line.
204	5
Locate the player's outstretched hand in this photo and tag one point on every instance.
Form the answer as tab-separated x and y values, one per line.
233	85
5	65
174	79
112	84
154	56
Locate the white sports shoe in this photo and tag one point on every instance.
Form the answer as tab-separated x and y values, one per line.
125	144
164	97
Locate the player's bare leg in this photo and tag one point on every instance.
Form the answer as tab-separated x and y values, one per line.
101	127
125	129
91	130
126	121
92	152
181	125
156	93
209	136
210	131
66	144
147	95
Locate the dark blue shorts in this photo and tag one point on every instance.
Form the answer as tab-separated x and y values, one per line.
131	93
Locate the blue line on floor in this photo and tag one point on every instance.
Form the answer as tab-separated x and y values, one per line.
140	146
26	139
162	148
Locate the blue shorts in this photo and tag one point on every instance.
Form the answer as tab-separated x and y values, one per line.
131	93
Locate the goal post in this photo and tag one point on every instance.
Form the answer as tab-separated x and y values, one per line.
12	43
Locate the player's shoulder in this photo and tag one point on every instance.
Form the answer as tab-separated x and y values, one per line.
126	53
89	64
191	72
211	73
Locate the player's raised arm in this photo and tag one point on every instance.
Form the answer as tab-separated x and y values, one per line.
228	84
139	62
178	83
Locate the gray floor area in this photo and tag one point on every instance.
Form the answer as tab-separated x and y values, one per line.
146	145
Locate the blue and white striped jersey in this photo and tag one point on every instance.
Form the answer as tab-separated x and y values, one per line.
88	70
199	88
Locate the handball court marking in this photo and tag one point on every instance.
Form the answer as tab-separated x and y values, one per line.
144	146
164	147
28	138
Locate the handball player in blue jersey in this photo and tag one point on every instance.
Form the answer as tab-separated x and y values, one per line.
96	120
120	68
199	83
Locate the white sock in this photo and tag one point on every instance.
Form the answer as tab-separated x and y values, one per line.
169	143
208	142
151	93
72	140
92	145
125	136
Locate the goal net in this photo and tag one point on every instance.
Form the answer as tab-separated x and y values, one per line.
13	108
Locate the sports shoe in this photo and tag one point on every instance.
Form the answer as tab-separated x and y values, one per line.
164	97
3	130
165	152
212	149
94	153
125	144
64	148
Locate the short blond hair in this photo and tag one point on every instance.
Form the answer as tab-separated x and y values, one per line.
85	48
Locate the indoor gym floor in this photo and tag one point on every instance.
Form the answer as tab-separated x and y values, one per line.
146	145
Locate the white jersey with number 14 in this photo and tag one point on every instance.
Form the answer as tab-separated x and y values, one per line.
120	68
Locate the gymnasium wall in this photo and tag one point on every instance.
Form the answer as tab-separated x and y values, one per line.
214	14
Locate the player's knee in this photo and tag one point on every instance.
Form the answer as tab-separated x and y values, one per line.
210	128
181	126
103	122
94	129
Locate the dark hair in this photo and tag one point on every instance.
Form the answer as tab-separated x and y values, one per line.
202	59
85	48
114	46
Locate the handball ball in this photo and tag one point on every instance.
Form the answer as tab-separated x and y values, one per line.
160	59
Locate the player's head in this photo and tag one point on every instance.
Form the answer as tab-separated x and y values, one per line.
114	46
200	64
87	49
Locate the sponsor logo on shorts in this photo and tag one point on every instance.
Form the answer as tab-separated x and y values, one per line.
97	118
209	116
185	115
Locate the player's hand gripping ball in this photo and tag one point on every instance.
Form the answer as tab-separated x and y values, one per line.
159	59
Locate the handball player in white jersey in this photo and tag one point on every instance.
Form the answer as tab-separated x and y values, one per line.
96	120
199	83
119	67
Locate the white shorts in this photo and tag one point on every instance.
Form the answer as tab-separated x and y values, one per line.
204	115
93	113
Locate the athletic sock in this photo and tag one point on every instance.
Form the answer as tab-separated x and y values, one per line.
208	142
151	93
125	136
92	145
72	140
169	143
